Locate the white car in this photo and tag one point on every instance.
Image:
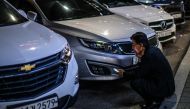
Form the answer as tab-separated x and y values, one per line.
37	67
157	19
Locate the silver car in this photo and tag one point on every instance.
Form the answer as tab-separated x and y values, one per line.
159	20
99	38
37	67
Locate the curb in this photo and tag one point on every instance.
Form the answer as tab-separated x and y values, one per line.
180	80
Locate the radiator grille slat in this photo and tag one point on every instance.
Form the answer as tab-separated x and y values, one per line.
157	26
15	84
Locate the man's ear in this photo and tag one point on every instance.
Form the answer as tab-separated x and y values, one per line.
142	46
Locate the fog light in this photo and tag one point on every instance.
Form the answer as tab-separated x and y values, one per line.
99	70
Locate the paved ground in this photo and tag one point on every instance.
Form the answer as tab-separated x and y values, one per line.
183	80
175	52
118	94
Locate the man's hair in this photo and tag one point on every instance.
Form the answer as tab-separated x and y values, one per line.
140	37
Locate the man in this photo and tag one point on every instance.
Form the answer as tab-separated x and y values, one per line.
153	80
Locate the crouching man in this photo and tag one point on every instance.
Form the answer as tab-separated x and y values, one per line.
153	80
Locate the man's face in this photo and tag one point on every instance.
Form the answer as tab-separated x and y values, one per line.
138	48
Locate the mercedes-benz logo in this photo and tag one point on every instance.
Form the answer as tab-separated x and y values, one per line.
163	25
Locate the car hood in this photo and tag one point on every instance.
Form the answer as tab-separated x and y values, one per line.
143	13
111	27
26	42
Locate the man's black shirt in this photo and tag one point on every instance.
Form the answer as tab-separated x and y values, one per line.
154	75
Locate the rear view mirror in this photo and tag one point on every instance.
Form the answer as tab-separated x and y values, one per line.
32	15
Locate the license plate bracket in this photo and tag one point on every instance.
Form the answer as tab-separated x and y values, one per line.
164	33
49	102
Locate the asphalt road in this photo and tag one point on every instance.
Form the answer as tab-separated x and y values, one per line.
118	94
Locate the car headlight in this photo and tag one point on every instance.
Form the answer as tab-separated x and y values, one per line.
66	54
108	47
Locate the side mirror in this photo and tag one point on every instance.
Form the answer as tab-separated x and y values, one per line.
22	13
32	15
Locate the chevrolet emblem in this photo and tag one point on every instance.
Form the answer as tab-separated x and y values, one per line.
27	67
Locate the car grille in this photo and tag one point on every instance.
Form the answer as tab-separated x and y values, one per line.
126	47
16	84
157	26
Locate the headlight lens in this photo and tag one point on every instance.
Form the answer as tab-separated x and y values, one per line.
66	54
108	47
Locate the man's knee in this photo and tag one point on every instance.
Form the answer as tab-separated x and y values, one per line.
136	84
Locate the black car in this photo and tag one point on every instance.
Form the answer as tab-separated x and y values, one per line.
175	8
187	8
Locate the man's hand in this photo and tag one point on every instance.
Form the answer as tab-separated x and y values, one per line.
120	72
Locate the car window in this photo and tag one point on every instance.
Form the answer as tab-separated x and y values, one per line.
57	10
157	1
146	1
8	16
118	3
26	6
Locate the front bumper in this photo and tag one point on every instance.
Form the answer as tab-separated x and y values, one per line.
87	58
64	92
166	38
94	65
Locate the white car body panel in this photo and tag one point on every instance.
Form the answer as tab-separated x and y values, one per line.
112	27
141	12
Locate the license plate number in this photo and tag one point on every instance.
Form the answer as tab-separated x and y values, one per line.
164	33
44	104
177	15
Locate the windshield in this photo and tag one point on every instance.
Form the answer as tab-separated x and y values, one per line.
155	1
57	10
118	3
9	16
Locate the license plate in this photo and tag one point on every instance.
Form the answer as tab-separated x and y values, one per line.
176	15
164	33
44	104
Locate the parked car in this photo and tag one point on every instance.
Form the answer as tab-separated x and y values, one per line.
37	66
173	7
100	39
187	8
157	19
